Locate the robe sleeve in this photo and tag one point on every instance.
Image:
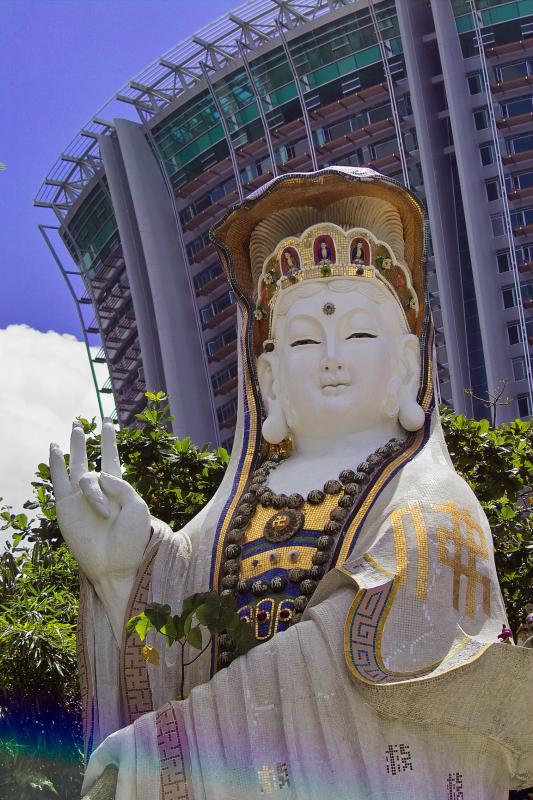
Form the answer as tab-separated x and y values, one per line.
114	683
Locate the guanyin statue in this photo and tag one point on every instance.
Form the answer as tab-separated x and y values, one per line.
362	560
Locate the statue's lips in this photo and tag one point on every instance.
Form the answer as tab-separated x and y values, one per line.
334	388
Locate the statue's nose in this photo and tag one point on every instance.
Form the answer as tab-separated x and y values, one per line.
330	363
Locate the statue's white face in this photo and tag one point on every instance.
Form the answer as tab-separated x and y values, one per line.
336	368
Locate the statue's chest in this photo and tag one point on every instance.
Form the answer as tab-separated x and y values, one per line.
280	556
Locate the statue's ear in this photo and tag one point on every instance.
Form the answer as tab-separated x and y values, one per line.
265	374
411	415
275	428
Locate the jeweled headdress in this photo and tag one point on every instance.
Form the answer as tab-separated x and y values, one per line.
337	222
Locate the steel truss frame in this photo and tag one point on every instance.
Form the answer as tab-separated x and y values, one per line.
215	46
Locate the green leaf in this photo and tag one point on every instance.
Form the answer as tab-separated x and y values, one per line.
158	614
194	637
142	626
243	636
178	625
508	513
483	426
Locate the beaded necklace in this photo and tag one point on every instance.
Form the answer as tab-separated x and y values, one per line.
285	523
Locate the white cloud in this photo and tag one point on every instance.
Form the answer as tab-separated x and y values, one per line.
46	384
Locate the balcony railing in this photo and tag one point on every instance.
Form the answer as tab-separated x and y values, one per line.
523	230
517	158
520	46
200	255
520	194
512	85
223	352
220	317
515	121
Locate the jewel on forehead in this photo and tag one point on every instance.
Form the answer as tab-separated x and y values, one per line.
328	308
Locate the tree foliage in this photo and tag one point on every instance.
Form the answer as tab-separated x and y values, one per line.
40	745
40	735
498	465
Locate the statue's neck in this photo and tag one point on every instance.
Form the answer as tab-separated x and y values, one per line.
315	460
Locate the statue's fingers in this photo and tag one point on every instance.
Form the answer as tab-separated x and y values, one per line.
90	486
110	457
78	454
118	489
58	473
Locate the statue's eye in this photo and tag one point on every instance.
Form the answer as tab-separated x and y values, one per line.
361	335
299	342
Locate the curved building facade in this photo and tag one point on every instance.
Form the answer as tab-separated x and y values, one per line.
436	93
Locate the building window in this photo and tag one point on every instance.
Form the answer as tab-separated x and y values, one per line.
504	263
492	188
207	275
481	119
383	149
227	411
526	290
486	152
520	219
224	376
474	82
410	140
214	345
519	368
219	304
509	297
524	405
519	144
515	108
522	180
498	225
509	72
514	331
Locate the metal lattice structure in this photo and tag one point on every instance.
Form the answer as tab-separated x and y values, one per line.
171	77
367	119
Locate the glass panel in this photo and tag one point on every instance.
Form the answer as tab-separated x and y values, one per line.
509	72
514	333
524	180
524	405
503	261
492	188
519	368
207	275
498	228
474	83
481	119
520	144
522	105
224	375
487	153
509	297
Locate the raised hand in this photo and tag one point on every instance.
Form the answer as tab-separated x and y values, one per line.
102	518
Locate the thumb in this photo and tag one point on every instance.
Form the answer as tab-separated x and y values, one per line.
118	489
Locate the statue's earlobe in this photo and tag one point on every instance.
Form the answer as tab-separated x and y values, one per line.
275	428
411	415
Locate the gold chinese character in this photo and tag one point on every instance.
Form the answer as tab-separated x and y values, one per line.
465	536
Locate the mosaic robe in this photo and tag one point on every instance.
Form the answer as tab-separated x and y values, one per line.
393	685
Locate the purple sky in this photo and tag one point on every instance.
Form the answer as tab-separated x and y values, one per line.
60	61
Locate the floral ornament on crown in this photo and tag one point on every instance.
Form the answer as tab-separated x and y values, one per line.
325	250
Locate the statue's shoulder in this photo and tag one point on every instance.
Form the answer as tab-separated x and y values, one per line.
429	479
